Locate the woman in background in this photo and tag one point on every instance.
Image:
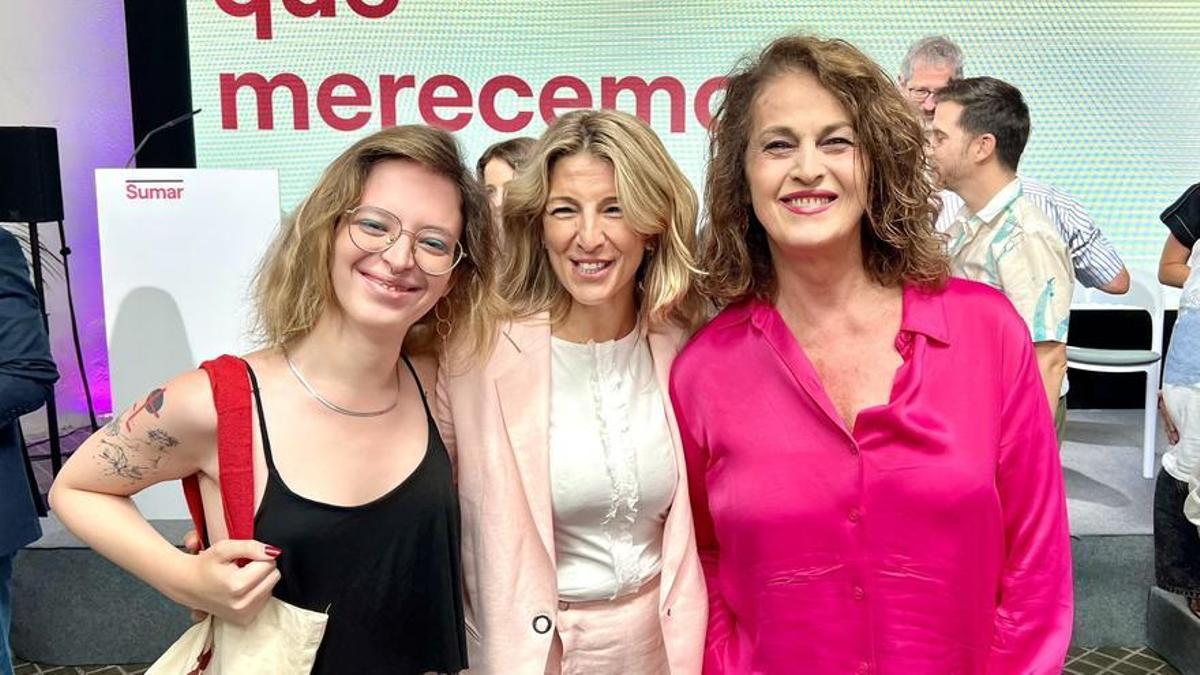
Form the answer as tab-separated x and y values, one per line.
497	166
1177	492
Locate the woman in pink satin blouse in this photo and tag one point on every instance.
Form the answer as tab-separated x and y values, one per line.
873	470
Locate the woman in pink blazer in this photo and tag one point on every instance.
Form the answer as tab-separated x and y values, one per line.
578	549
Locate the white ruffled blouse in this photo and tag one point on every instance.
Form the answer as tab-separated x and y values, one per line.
612	467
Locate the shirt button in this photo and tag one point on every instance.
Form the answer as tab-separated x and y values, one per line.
859	593
854	515
854	449
863	667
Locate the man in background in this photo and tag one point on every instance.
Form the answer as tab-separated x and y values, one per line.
27	374
999	237
933	62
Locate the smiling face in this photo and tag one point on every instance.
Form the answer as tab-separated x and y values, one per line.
593	249
803	167
387	291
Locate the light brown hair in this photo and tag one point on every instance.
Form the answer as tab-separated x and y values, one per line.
293	285
654	194
512	152
898	237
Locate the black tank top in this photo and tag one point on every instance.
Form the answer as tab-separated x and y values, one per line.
387	572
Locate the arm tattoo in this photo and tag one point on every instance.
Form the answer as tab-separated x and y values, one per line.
161	439
117	462
133	456
113	428
153	403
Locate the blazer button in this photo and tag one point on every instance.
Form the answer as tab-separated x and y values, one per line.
542	624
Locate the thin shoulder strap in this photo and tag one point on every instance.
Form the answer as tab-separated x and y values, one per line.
420	385
235	459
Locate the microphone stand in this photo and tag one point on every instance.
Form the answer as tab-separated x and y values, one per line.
178	120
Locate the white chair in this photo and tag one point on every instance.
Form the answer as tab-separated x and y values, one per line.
1145	295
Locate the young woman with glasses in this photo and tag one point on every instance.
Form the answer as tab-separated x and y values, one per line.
356	516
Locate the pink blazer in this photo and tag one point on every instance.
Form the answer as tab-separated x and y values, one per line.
494	419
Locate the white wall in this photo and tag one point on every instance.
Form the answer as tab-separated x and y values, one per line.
63	64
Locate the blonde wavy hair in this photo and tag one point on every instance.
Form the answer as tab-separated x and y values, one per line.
898	237
656	198
293	285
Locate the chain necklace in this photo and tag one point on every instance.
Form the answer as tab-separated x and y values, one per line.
333	406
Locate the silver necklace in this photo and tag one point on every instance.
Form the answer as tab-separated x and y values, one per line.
333	406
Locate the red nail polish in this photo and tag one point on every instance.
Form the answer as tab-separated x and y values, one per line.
273	551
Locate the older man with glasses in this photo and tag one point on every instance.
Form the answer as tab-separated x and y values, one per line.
929	66
933	62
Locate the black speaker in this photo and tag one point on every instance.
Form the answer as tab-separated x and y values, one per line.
30	186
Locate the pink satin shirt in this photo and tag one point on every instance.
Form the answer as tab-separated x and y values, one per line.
930	540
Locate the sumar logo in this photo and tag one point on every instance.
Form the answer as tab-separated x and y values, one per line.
166	189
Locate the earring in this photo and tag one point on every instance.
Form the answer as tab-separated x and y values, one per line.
443	326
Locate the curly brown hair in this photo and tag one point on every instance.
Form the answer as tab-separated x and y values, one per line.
293	285
898	236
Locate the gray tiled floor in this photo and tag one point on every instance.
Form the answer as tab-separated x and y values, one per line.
24	668
1126	661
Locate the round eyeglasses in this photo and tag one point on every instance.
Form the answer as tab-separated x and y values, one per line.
375	230
920	94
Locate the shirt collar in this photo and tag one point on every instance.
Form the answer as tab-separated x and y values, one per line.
925	313
1001	201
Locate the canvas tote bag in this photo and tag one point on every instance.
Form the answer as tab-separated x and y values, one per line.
283	639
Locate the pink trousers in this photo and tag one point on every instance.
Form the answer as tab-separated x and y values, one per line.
610	637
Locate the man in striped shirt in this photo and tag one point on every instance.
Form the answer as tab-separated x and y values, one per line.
931	63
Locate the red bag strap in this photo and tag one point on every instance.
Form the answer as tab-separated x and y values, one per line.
195	504
235	441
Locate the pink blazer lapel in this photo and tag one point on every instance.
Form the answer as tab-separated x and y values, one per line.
523	390
677	532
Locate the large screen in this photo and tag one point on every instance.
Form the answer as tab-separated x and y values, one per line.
1112	86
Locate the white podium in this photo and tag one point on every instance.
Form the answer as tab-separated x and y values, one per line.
178	249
